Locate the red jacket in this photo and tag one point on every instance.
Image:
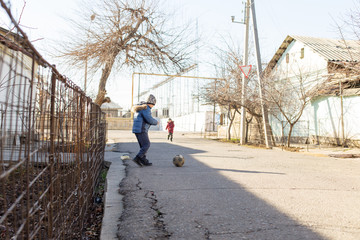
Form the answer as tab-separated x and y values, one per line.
170	126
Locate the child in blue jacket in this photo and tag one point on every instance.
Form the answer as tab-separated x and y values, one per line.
142	122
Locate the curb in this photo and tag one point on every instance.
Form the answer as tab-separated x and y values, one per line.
113	204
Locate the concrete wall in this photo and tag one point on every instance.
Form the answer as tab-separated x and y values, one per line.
194	122
325	117
253	130
321	121
119	123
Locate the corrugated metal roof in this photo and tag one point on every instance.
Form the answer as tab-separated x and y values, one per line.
333	50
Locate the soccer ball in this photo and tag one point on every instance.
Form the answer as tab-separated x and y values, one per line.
178	160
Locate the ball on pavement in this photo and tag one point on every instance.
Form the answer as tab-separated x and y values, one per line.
178	160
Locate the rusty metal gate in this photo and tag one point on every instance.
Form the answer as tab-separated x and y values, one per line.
52	140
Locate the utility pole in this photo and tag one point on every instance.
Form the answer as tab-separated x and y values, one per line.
259	75
132	94
244	79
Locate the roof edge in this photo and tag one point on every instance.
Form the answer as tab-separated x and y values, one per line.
288	40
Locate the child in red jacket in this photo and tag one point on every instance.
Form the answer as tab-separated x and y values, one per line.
170	127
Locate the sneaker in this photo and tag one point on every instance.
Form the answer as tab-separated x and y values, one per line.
137	160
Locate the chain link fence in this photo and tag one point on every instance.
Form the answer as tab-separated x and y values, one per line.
52	140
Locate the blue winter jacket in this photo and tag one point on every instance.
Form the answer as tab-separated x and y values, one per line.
142	118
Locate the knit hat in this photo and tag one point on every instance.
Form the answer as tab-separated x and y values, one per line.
151	99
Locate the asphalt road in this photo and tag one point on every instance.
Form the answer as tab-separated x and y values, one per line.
226	191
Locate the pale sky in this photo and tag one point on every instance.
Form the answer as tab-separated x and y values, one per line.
45	19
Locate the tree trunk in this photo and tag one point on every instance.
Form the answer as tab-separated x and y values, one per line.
260	128
229	130
247	132
289	136
104	77
231	117
247	129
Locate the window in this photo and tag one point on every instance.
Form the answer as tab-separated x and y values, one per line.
287	58
302	53
154	112
222	119
165	112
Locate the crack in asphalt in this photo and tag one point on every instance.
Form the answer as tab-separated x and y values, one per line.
159	216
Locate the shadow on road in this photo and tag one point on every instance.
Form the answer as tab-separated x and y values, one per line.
197	202
245	171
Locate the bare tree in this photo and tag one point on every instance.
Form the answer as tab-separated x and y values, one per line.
289	95
220	93
134	33
227	92
351	23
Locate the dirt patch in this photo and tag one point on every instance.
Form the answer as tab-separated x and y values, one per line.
345	155
292	149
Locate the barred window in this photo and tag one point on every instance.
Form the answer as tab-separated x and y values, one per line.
165	112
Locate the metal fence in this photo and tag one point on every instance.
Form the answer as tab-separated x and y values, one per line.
52	140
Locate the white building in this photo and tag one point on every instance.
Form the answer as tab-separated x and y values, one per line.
332	114
17	85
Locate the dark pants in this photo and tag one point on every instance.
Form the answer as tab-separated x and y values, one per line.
144	143
170	136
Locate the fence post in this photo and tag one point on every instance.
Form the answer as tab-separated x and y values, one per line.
27	145
82	199
52	151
